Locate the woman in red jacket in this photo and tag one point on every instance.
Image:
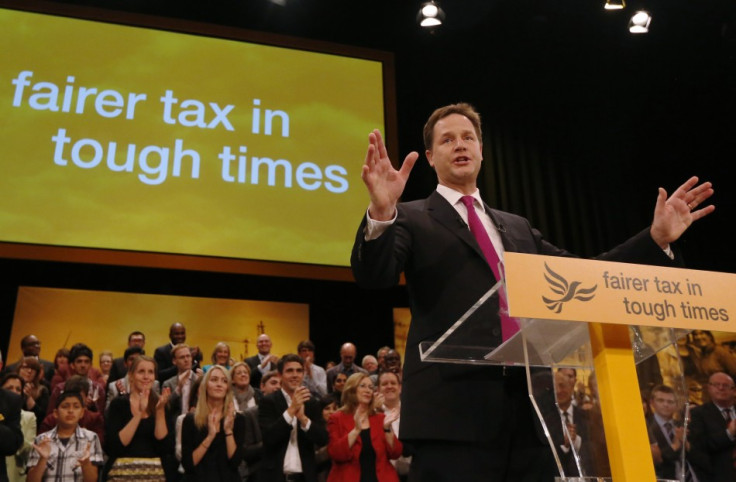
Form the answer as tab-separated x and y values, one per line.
361	440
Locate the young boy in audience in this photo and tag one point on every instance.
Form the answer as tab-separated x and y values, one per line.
67	452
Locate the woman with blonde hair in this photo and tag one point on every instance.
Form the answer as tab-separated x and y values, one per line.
212	437
220	356
244	394
136	434
362	441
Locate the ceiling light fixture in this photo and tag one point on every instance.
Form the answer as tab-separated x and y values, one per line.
639	22
430	15
615	4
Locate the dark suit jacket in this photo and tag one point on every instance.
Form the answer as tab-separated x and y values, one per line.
582	427
276	433
255	373
117	370
166	368
446	273
11	437
667	468
708	436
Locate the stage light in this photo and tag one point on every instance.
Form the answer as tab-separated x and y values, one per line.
615	4
430	15
639	22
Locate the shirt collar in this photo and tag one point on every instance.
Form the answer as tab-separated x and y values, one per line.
453	197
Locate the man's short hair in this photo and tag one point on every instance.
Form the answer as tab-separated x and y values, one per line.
177	347
77	383
79	349
269	375
291	357
306	344
69	394
661	389
134	333
133	350
461	108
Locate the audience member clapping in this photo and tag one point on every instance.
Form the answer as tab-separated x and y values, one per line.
212	436
16	464
243	393
136	431
220	356
362	440
36	398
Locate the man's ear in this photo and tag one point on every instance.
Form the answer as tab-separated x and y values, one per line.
428	153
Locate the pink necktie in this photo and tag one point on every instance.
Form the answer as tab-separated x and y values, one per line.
509	326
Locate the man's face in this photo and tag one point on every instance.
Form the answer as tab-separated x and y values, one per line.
81	365
31	346
370	364
663	404
563	389
456	153
347	355
137	340
292	376
69	412
273	384
264	344
306	353
178	334
183	359
392	361
721	389
339	383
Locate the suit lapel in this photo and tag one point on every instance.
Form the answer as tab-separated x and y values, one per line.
441	211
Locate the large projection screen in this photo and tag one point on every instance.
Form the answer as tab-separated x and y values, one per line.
143	140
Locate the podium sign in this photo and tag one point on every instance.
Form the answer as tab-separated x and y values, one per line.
572	289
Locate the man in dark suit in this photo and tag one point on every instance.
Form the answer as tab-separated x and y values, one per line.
30	345
573	441
162	355
456	436
262	362
292	427
119	369
667	435
11	437
713	430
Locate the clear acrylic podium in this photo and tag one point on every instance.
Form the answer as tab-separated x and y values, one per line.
544	347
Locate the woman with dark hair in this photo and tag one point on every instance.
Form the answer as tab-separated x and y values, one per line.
34	388
61	367
362	441
212	437
136	433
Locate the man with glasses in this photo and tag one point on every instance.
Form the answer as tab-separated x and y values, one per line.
713	430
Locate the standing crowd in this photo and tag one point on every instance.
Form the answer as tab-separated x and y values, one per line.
174	417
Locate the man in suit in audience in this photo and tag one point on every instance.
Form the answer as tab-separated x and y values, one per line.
292	427
162	355
570	429
30	345
448	247
181	383
713	430
119	369
263	361
11	437
347	364
667	435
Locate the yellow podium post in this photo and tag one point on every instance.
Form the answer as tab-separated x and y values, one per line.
623	419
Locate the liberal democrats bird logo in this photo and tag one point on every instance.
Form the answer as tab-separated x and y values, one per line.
559	285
